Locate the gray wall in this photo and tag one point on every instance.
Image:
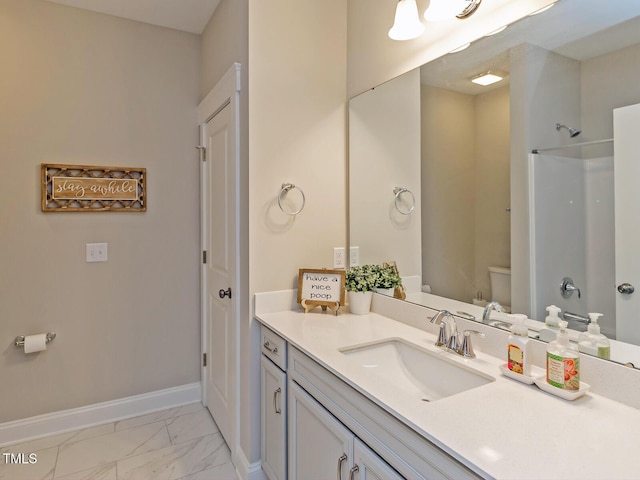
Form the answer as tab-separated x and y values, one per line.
85	88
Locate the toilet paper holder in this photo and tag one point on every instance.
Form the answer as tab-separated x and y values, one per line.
19	341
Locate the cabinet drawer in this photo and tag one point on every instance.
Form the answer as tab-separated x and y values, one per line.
274	347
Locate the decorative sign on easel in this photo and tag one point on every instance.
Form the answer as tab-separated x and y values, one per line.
84	188
321	288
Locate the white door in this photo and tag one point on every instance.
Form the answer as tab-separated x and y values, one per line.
626	123
219	268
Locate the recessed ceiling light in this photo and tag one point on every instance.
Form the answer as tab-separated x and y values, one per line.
487	78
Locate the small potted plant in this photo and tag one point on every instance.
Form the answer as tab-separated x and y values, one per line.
388	279
360	283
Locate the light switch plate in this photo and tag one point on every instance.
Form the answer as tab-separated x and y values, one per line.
97	252
354	256
338	257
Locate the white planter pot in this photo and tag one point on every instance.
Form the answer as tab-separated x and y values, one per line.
360	302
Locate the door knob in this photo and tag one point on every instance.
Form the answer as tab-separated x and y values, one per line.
626	288
224	293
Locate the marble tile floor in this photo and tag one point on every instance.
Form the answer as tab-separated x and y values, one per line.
181	443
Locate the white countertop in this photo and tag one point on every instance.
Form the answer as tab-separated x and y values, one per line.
502	430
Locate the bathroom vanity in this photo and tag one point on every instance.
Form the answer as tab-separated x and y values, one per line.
349	416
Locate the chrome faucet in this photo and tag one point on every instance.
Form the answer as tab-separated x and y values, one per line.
487	310
450	339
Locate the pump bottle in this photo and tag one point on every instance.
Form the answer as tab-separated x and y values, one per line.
592	341
563	361
517	349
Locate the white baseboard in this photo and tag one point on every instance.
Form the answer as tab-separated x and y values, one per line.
26	429
246	470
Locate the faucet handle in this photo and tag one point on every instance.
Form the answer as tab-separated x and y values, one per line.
466	349
442	336
454	341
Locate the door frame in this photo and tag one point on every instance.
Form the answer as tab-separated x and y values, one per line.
225	94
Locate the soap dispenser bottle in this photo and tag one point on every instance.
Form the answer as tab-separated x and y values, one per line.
592	341
551	324
517	349
563	361
552	320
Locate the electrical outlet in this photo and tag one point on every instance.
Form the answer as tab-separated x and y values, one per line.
354	256
339	260
96	252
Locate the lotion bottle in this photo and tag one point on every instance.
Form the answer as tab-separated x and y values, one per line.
563	361
592	341
518	346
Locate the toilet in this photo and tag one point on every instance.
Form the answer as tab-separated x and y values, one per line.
500	278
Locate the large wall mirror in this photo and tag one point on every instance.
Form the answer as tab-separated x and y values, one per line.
506	191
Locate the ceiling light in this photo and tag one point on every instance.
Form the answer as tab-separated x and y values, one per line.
487	78
439	10
407	24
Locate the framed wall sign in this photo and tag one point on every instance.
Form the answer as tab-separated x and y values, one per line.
86	188
321	288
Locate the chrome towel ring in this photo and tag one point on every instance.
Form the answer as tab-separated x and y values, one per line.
286	187
398	192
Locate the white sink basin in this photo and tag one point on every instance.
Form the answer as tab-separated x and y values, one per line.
411	370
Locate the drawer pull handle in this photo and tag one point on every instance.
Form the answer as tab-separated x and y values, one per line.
275	401
273	350
341	460
353	471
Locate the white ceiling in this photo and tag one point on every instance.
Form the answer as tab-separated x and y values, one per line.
579	29
186	15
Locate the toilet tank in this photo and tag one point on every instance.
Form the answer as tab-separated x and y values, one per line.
500	278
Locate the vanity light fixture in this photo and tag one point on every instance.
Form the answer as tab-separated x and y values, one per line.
407	24
487	78
439	10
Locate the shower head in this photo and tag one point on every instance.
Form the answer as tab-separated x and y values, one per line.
572	131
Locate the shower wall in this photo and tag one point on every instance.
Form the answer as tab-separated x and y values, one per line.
572	235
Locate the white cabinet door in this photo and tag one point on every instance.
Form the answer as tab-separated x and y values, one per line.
369	466
320	447
273	444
